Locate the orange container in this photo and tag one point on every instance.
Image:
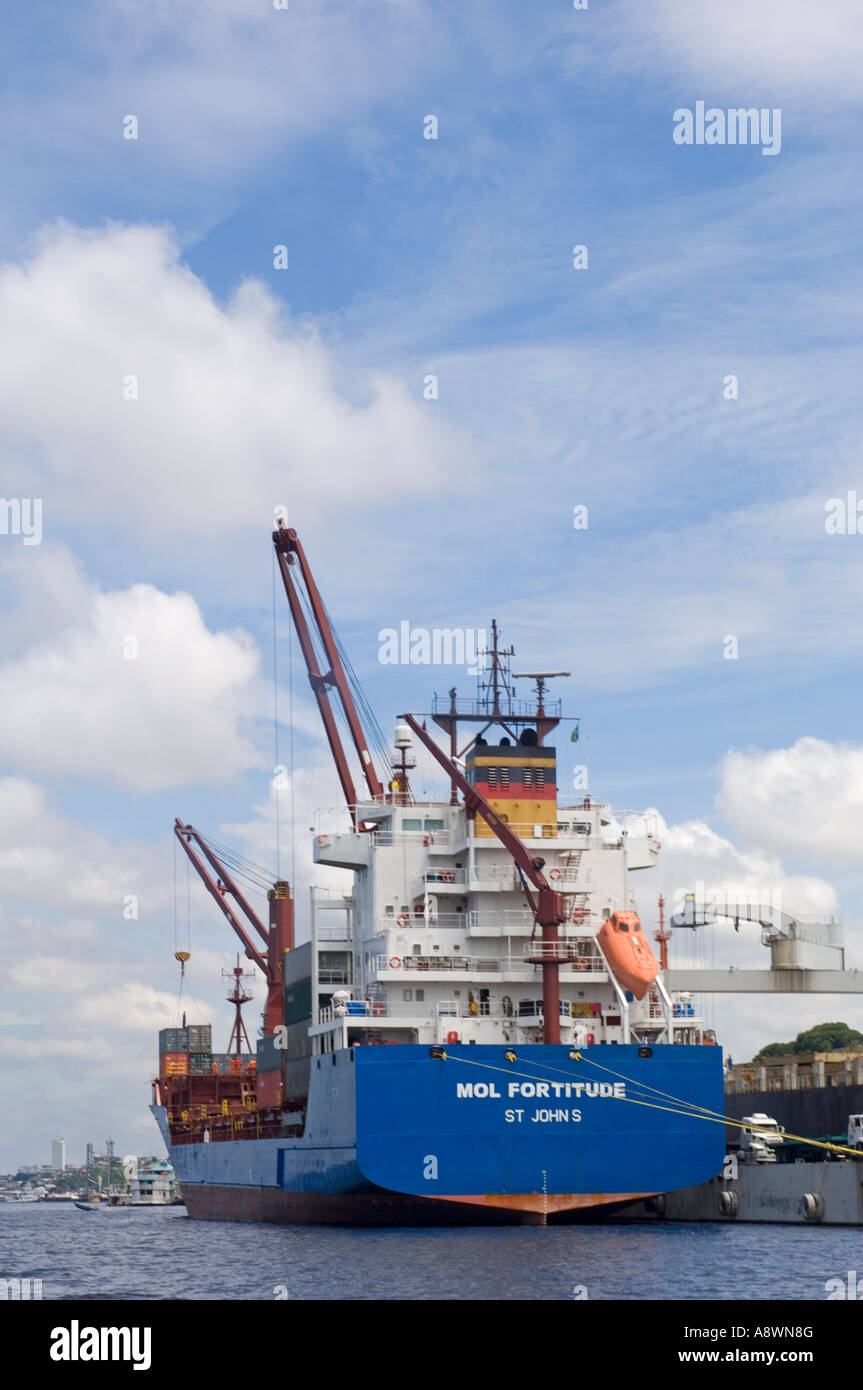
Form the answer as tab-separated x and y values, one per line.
174	1064
628	952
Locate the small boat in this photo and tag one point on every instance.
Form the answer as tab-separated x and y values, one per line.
91	1204
628	952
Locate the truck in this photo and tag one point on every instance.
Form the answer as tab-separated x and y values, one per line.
760	1137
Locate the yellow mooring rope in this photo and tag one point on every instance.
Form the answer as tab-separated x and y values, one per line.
691	1110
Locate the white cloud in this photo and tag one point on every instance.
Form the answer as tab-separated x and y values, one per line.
804	800
761	43
746	47
217	87
238	410
74	703
51	860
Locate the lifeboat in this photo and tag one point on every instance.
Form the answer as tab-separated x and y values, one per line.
628	952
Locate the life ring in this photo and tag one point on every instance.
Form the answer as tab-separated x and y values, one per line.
447	876
378	1010
395	962
403	919
554	873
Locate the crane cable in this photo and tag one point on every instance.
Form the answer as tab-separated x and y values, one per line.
276	724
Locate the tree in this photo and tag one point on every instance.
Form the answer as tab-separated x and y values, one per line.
775	1050
828	1037
824	1037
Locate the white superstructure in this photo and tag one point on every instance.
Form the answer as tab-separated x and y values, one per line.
436	942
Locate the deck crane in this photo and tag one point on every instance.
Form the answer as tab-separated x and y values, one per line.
276	939
291	556
547	907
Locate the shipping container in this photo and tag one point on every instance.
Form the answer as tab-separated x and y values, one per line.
173	1040
200	1037
200	1063
226	1063
174	1064
269	1092
270	1055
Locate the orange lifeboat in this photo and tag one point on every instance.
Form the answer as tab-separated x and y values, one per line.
628	952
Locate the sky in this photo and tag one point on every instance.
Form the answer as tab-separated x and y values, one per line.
429	277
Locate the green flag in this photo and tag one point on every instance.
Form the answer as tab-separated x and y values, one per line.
573	738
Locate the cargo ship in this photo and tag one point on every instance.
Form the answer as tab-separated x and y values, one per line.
477	1030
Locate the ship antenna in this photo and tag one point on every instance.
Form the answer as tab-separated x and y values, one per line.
238	997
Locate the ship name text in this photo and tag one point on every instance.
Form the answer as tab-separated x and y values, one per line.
541	1090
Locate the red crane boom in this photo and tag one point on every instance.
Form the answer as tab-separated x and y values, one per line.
548	907
277	939
289	552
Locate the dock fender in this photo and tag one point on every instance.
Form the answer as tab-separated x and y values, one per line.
812	1206
729	1202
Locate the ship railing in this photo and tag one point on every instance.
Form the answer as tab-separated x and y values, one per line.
575	957
334	975
493	873
526	1010
506	872
395	965
333	933
435	877
531	1010
516	921
526	830
521	711
332	822
423	838
355	1008
581	952
582	828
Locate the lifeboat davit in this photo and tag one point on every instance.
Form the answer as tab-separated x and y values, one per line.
628	952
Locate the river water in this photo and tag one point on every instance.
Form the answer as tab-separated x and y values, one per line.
158	1253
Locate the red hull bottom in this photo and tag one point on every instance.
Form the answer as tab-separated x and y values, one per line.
270	1204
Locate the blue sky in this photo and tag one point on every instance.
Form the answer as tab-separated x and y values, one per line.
408	257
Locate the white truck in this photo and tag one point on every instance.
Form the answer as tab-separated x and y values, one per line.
760	1137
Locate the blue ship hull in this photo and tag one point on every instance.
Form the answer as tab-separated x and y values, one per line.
396	1136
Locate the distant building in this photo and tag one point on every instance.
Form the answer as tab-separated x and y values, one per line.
58	1155
801	1071
154	1184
